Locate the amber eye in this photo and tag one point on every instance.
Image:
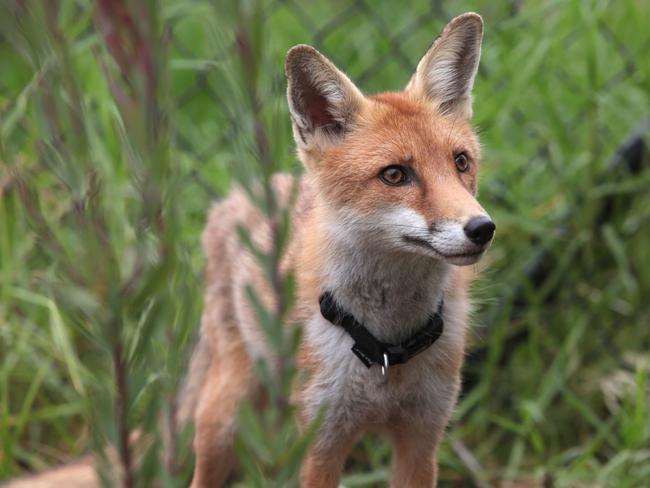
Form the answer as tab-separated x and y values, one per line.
394	175
462	162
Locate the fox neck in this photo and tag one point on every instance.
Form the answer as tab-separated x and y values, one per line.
391	292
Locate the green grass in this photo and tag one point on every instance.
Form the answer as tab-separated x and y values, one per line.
562	84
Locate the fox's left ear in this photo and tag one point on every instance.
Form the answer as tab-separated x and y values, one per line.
445	75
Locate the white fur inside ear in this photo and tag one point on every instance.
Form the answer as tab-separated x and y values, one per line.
446	73
445	77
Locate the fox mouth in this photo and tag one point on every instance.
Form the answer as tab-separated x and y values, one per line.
418	241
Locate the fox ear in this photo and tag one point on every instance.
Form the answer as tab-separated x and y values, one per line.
445	75
323	102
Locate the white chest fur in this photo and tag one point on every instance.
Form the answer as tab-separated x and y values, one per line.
393	296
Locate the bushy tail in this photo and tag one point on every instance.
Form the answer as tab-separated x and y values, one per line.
195	376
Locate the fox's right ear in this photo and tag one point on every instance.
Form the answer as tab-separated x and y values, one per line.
323	102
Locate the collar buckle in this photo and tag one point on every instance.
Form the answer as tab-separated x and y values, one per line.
384	367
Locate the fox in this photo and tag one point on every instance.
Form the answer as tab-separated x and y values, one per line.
383	230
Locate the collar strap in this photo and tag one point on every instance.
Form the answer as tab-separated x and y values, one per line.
371	350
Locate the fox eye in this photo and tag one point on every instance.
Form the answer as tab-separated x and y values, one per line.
394	175
462	162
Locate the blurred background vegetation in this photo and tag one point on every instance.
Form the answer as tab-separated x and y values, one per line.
120	123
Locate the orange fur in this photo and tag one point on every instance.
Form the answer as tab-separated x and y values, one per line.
396	128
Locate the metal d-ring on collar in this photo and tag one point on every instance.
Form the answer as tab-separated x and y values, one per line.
373	351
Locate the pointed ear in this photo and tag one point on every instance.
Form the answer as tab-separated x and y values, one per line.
445	75
323	102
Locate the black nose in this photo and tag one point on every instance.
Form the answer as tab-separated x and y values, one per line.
479	230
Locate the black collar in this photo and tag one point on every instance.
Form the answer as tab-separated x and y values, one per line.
371	350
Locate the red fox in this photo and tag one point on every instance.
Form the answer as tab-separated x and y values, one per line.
385	219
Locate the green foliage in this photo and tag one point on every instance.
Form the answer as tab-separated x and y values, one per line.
106	261
268	444
106	178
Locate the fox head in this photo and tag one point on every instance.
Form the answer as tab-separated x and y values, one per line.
399	169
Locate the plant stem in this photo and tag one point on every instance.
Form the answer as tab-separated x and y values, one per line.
121	395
